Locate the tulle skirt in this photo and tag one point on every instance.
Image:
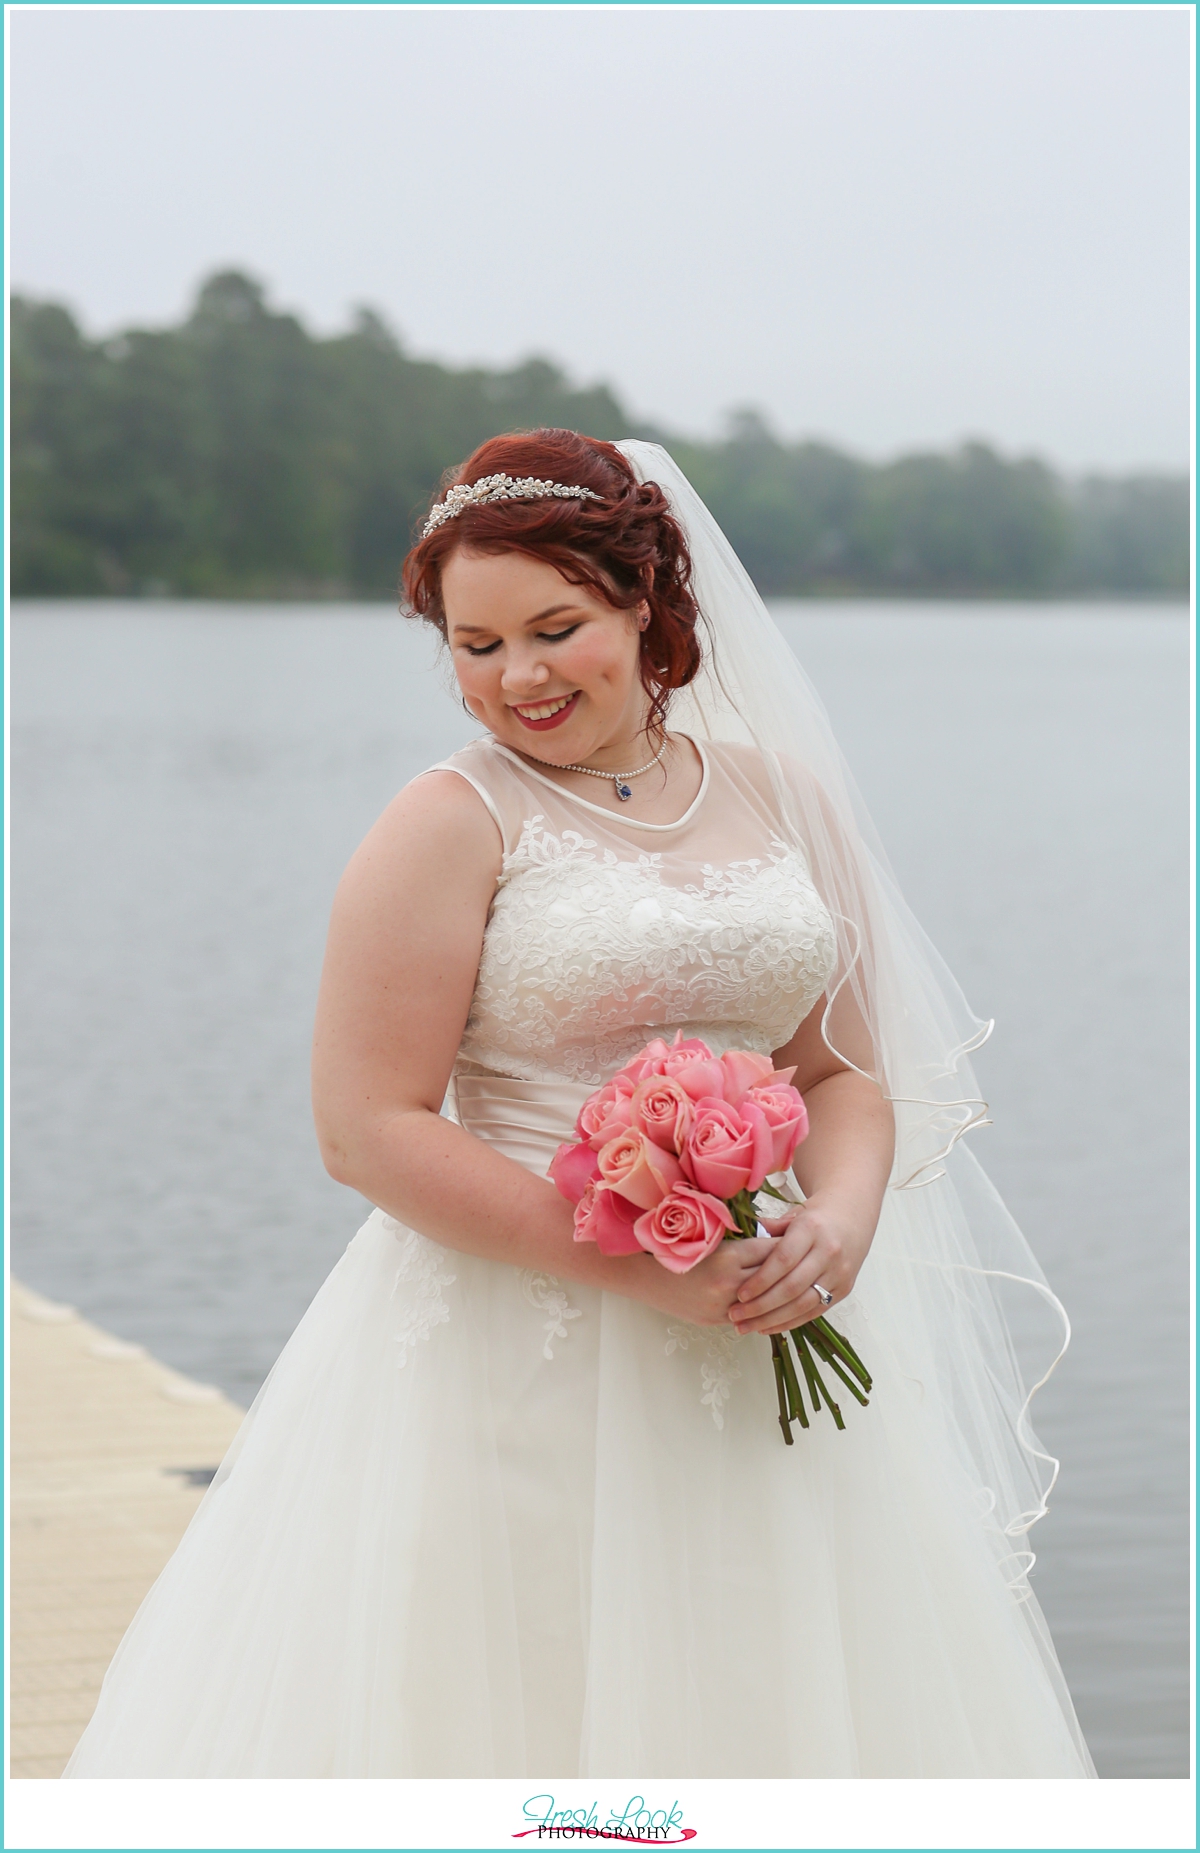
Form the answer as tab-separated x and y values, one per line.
479	1522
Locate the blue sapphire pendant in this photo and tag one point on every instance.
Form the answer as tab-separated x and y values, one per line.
623	791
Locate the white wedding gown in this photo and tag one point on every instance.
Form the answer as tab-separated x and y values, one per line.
481	1522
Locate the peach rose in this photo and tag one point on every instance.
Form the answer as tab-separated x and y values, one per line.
605	1113
787	1118
601	1216
685	1227
662	1109
634	1166
728	1149
572	1169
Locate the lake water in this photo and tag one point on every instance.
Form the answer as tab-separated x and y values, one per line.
188	782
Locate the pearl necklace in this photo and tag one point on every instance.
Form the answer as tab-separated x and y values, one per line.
620	779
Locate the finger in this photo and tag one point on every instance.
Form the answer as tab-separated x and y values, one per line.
771	1306
794	1290
781	1259
783	1319
745	1257
786	1318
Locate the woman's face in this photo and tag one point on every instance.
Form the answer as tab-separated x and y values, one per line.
548	667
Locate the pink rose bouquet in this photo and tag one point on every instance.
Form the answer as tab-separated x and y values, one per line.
668	1158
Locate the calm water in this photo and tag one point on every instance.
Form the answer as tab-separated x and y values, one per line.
188	782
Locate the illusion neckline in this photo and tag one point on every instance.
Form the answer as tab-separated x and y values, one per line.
601	810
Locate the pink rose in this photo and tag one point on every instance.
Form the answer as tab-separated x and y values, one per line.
742	1070
606	1112
657	1054
656	1051
601	1216
572	1168
689	1045
764	1145
685	1227
787	1118
691	1063
642	1064
662	1109
634	1166
698	1075
728	1149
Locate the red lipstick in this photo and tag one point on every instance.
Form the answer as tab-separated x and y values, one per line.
552	720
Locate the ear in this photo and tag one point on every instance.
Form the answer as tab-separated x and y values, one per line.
643	615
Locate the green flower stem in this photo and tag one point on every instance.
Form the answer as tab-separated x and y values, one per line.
784	1419
828	1356
846	1350
802	1353
815	1380
795	1397
742	1209
816	1339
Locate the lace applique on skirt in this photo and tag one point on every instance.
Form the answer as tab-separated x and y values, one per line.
420	1271
719	1369
544	1292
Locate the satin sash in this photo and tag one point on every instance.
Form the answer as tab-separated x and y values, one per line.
526	1120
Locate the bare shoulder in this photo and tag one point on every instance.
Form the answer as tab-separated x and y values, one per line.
402	956
437	831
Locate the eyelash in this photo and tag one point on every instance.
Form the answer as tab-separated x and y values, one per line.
548	636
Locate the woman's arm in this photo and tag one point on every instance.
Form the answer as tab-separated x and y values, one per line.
400	968
843	1168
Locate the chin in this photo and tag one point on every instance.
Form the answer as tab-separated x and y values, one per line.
551	748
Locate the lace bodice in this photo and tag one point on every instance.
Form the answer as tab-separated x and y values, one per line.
604	931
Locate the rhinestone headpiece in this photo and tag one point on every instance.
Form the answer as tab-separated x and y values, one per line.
500	489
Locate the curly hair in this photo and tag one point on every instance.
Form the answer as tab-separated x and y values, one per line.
627	546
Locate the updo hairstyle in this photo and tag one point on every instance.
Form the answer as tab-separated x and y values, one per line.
626	547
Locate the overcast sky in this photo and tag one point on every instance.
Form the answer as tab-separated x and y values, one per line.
884	228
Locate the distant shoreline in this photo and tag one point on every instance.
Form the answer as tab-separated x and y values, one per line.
235	454
1168	601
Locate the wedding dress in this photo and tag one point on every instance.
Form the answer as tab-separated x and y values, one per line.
481	1521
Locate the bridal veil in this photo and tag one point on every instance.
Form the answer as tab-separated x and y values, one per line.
962	1286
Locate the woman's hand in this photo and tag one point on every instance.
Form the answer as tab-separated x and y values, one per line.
707	1292
817	1241
842	1168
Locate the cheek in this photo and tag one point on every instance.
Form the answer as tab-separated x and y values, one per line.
601	659
475	675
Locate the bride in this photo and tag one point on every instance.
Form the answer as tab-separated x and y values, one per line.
507	1505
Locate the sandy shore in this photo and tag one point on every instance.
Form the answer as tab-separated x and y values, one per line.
111	1452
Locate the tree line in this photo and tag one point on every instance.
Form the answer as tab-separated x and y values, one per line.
237	455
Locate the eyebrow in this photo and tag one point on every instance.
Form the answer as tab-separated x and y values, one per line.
479	630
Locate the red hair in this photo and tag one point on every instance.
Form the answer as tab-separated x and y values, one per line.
627	546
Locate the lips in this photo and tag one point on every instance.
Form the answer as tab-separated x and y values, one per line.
553	719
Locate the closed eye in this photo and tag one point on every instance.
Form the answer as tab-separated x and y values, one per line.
486	649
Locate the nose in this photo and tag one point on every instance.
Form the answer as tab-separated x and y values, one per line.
523	672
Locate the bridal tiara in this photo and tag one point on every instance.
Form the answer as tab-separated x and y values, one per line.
500	489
